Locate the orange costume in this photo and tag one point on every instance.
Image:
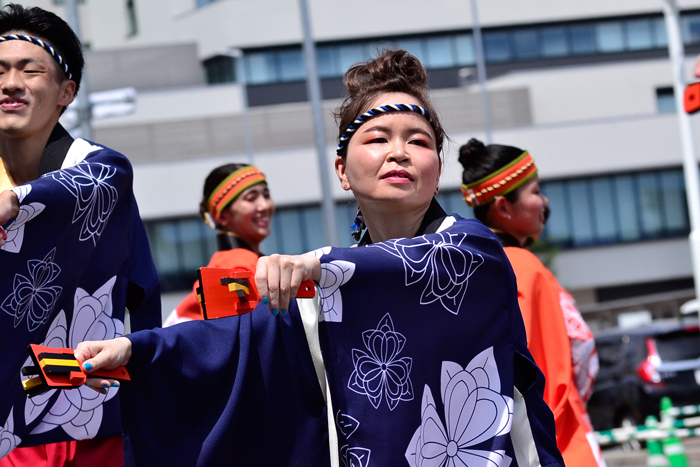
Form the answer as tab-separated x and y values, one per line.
240	256
554	326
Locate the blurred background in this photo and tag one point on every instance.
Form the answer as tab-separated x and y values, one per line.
586	87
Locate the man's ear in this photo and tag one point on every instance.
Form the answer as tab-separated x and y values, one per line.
67	93
340	167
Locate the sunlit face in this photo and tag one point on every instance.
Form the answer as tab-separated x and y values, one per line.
528	211
392	158
32	89
249	216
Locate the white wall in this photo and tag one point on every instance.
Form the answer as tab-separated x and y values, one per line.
623	264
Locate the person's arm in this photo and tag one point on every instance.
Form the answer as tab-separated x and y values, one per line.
109	354
278	278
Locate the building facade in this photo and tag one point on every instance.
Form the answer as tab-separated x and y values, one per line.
586	87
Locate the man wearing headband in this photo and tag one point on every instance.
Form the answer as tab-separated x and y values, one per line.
73	249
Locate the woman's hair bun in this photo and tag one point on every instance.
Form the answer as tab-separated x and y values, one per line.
474	149
391	70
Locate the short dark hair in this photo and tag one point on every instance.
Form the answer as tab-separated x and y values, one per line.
50	28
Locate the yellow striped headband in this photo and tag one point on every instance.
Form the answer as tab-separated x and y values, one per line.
232	186
500	182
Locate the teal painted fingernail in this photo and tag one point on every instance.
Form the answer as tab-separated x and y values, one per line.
266	300
115	385
106	386
88	366
274	312
283	311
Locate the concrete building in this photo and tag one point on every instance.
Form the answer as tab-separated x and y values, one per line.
585	86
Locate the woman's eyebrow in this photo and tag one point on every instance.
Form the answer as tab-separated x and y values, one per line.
412	129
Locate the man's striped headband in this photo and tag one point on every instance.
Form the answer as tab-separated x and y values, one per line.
500	182
232	186
21	37
343	142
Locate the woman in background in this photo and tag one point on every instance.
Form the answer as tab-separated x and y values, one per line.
237	204
501	184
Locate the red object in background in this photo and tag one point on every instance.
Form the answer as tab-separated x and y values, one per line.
691	98
647	369
231	292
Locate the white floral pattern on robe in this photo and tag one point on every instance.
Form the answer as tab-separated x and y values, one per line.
475	411
440	266
333	275
379	373
33	296
78	411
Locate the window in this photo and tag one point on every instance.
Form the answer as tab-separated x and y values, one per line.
639	34
438	52
610	37
260	68
497	47
554	43
220	69
665	100
583	39
660	38
464	46
526	44
616	208
291	65
327	62
690	27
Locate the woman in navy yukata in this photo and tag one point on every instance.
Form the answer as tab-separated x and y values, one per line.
412	353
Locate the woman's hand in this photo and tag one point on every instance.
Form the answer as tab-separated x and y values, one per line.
107	355
278	278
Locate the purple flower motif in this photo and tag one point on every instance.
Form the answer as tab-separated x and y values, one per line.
442	266
378	372
95	197
475	412
32	296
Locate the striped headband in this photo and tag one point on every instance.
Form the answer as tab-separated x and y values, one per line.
500	182
232	186
343	142
21	37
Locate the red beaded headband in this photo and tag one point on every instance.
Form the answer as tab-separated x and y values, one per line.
500	182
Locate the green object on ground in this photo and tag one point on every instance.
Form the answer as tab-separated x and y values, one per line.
672	445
